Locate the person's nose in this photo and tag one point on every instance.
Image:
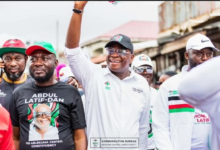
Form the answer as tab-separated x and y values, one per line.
204	57
115	54
144	72
39	62
13	63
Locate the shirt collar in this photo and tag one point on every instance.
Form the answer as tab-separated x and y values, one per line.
184	69
15	82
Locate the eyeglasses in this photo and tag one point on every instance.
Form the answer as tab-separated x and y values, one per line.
40	114
141	69
121	52
199	54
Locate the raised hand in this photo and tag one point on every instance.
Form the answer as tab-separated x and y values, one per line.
74	30
80	4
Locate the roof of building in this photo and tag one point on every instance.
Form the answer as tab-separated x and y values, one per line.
145	30
137	30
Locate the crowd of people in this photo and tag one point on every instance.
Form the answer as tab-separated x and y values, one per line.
81	104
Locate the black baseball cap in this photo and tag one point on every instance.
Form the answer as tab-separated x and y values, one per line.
122	40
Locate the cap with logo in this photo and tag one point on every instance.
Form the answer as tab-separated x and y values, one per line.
41	46
198	42
13	45
122	40
140	60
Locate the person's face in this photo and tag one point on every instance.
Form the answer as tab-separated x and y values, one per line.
147	75
117	63
162	78
42	65
197	57
14	65
43	116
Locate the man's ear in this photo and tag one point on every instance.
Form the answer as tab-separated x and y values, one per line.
56	62
132	58
186	54
26	58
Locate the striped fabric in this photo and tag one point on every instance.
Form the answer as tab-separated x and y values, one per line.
181	108
176	105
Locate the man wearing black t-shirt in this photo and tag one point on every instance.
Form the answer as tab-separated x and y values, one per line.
14	58
14	62
47	114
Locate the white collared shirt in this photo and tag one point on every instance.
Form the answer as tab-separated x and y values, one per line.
114	108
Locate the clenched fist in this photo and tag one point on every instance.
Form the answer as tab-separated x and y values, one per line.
80	4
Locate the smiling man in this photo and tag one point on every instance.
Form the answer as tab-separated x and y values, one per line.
143	66
46	104
117	99
177	125
41	129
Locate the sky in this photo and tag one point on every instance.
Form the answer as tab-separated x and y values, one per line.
48	21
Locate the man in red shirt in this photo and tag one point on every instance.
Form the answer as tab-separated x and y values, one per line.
6	140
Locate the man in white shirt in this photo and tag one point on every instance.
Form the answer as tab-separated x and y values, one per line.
178	125
117	99
143	66
204	93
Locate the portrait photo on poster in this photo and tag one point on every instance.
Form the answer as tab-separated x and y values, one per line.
43	121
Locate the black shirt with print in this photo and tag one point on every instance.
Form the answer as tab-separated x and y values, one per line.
47	116
7	86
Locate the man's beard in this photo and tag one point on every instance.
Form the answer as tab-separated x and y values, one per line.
45	78
192	63
14	76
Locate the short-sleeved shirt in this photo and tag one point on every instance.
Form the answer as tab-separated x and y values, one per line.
7	86
47	115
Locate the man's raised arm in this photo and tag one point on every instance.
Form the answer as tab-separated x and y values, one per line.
74	30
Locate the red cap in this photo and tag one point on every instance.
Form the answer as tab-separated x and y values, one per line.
14	43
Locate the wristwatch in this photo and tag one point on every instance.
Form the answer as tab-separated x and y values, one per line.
78	11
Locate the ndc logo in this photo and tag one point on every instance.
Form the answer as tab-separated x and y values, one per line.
143	58
107	86
173	93
117	38
95	143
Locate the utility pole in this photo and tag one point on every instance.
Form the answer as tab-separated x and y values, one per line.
57	39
